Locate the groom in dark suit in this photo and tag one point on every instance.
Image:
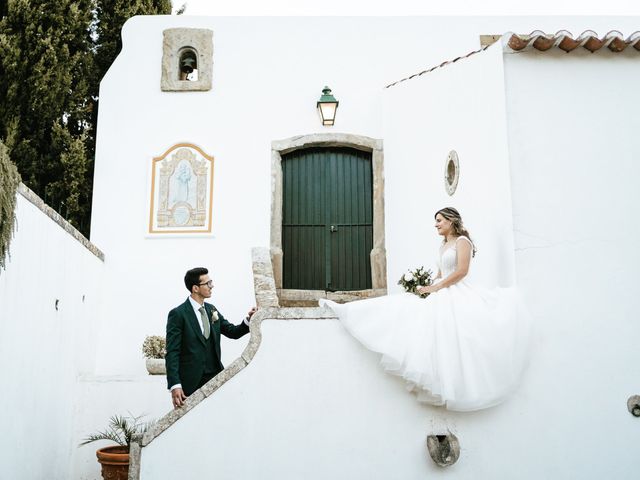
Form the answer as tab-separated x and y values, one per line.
193	338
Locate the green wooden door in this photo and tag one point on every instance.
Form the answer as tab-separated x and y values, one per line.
327	219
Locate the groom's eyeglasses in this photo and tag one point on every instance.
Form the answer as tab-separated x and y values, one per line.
208	284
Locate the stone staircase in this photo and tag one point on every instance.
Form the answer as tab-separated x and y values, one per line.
268	309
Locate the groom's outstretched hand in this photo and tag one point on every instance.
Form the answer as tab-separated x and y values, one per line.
178	397
251	312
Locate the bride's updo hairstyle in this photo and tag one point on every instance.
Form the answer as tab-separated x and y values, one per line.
454	217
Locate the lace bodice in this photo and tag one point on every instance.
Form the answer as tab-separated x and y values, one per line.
449	257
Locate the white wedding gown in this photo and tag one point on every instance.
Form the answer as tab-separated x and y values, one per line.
463	347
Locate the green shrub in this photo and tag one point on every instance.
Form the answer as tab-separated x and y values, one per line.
9	181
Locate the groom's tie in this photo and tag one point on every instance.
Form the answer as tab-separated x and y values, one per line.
205	322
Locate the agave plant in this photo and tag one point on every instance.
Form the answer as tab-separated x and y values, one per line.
120	430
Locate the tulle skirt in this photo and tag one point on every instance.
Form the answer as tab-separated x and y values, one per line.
462	347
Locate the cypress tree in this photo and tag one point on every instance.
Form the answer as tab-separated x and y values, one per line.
111	15
53	54
46	63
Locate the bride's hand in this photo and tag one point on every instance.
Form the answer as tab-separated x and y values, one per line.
428	289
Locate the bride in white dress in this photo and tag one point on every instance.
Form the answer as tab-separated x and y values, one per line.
462	347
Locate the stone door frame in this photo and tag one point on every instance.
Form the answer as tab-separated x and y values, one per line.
378	255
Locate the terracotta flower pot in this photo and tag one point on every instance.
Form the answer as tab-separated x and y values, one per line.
114	461
156	366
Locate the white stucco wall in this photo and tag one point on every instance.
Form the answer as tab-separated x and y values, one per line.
574	148
305	413
458	107
334	412
266	80
567	182
44	349
267	77
572	144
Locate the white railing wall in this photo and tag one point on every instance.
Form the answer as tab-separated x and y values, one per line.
49	304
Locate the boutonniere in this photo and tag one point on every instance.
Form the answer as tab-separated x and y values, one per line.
214	315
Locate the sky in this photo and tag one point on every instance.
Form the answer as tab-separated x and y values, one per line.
407	7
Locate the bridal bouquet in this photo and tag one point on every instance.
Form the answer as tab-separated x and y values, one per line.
413	279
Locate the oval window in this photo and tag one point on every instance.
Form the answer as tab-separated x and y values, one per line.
451	172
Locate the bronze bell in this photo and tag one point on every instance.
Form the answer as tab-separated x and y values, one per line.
187	64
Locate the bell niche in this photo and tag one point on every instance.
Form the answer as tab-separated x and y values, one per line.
187	60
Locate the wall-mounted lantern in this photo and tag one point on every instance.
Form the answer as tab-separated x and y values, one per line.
327	106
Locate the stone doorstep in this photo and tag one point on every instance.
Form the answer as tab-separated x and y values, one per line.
309	298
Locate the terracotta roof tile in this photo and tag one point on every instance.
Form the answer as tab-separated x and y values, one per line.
564	40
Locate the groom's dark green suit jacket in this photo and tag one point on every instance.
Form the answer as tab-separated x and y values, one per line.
187	349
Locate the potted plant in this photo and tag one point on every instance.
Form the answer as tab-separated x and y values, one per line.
115	459
154	349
